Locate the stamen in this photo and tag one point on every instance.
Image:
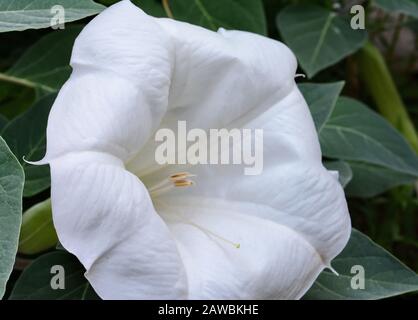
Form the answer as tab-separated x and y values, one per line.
181	176
183	183
159	185
176	180
159	191
300	75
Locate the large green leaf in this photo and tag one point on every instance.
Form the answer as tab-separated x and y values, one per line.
35	281
18	15
247	15
15	99
370	180
356	133
319	37
26	136
321	99
348	133
45	65
11	188
151	7
409	7
385	276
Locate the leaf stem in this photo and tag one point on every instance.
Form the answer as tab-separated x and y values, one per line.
375	74
167	9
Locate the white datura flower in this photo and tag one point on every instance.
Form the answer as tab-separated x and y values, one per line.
138	228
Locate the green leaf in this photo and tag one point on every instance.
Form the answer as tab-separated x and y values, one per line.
37	233
151	7
3	122
26	136
318	37
46	64
35	281
385	276
370	180
344	171
356	133
360	179
408	7
230	14
11	188
107	3
15	99
321	99
36	14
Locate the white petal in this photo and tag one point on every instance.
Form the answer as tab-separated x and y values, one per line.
133	74
103	215
220	77
293	180
221	80
299	191
118	90
273	261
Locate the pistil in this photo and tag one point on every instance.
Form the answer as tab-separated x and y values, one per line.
181	180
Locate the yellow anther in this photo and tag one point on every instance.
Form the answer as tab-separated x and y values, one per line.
175	180
183	183
181	176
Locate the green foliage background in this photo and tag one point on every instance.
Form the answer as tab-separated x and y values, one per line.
361	87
